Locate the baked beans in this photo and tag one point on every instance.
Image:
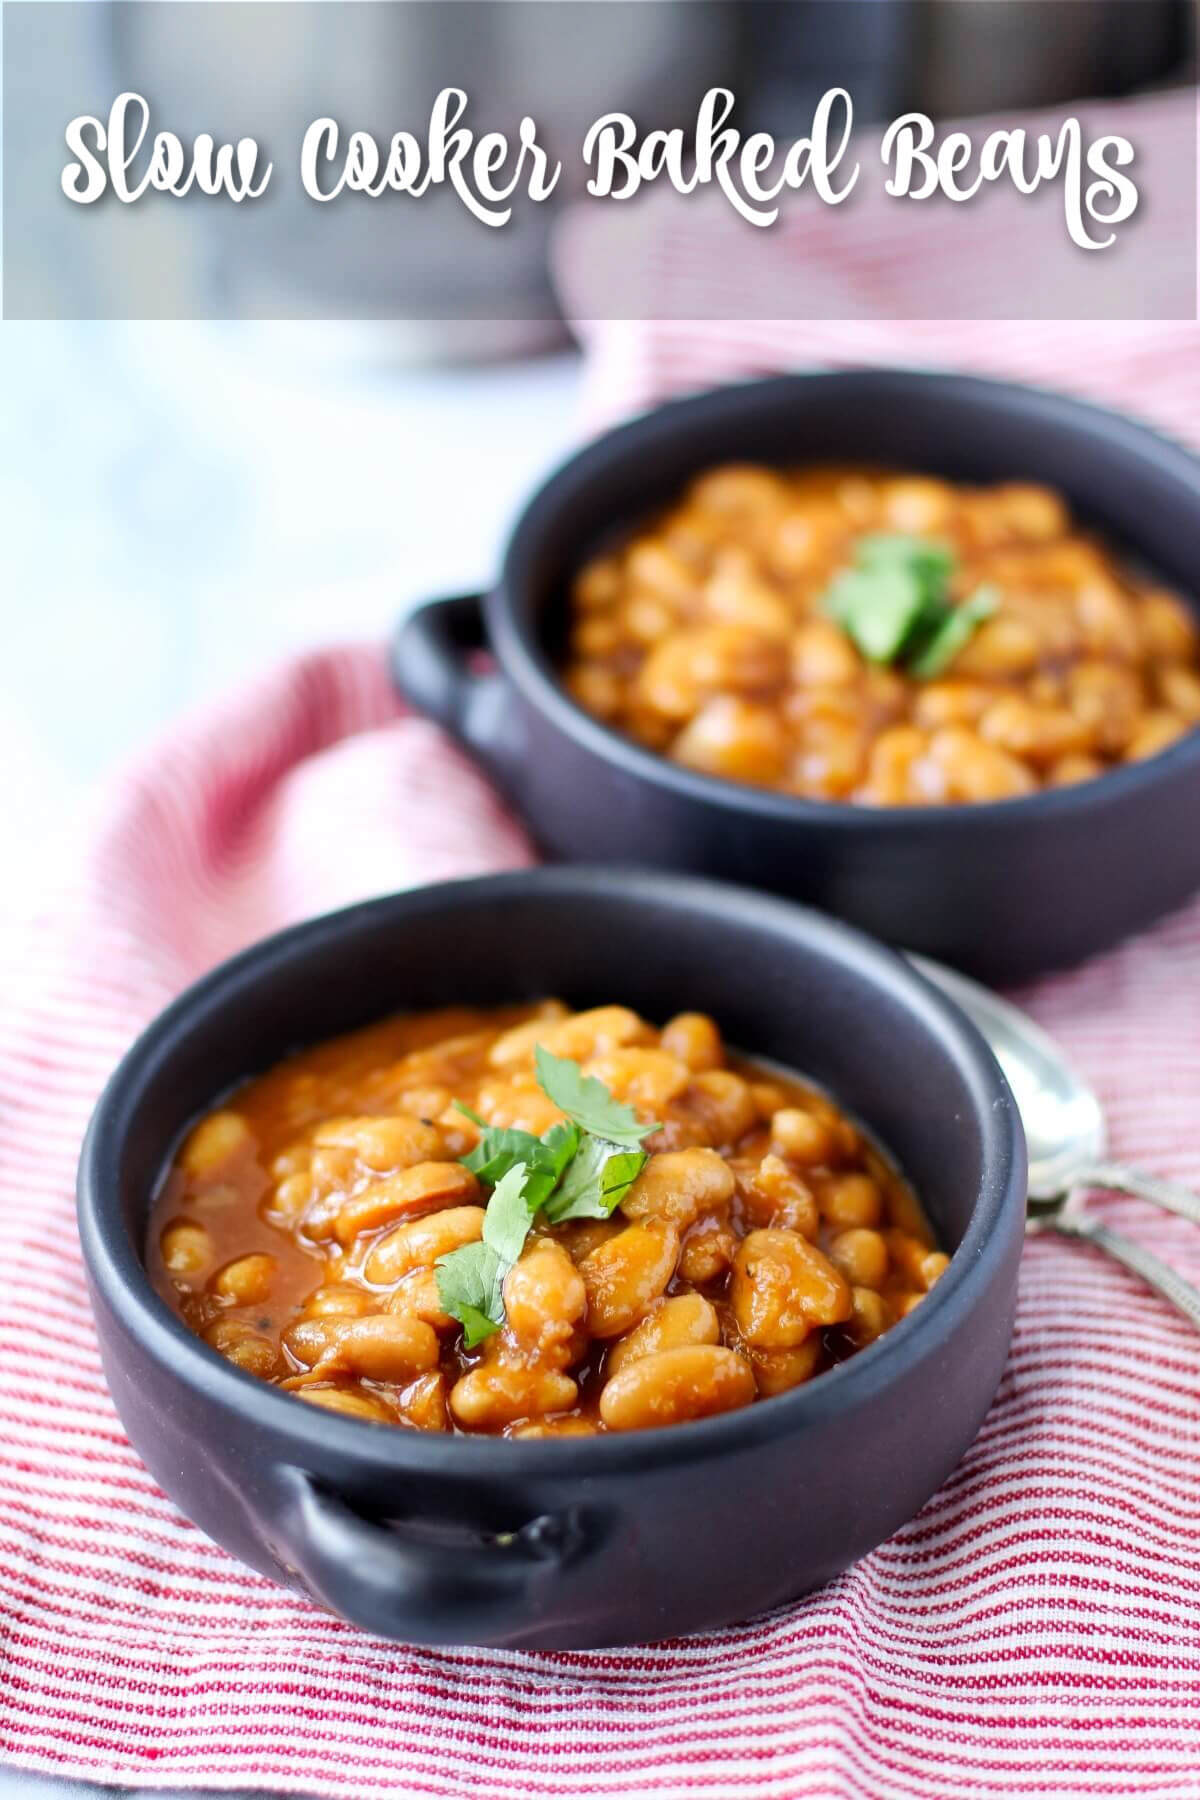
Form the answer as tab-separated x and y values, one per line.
305	1227
712	635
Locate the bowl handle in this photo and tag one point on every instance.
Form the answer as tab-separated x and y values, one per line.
398	1584
431	666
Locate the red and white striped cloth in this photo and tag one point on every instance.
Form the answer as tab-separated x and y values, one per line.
878	256
1034	1632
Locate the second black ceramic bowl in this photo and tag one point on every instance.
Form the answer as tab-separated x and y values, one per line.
580	1541
1004	890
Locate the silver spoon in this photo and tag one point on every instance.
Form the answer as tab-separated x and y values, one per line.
1067	1139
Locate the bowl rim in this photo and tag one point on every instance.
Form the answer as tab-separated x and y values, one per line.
312	1437
523	659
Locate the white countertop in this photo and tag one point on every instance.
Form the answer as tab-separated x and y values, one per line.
180	504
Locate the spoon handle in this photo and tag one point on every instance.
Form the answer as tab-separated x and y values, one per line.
1118	1178
1153	1271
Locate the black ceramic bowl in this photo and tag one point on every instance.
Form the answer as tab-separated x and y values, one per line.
576	1542
1005	890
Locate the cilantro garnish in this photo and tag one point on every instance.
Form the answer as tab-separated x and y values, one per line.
895	603
508	1217
500	1150
587	1101
469	1288
932	563
952	634
581	1168
469	1280
596	1182
877	608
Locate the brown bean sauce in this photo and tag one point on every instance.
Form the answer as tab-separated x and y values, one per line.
766	1237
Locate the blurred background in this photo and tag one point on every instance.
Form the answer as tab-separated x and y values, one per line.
183	500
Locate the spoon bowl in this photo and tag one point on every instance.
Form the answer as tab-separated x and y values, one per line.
1064	1124
1067	1138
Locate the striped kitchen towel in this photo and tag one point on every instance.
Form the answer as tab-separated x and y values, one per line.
1034	1632
863	274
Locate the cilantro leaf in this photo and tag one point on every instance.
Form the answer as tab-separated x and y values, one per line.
878	607
596	1182
572	1171
556	1147
953	634
587	1101
508	1217
470	1280
476	1325
498	1150
469	1284
932	563
895	603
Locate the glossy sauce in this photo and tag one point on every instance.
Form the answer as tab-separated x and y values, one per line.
766	1238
